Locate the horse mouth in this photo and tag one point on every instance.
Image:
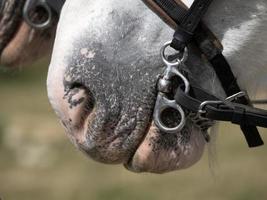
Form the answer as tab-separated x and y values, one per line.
107	136
129	138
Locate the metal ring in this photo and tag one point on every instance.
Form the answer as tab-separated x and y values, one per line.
205	103
226	101
45	6
178	61
162	104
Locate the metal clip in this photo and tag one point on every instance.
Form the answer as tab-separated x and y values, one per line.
30	6
163	102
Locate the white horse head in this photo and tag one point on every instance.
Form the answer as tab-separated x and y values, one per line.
104	69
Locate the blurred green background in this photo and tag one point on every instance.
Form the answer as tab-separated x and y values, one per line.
38	162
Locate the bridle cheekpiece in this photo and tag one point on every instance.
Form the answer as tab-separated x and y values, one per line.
204	106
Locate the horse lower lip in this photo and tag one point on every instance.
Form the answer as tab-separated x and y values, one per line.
161	153
108	147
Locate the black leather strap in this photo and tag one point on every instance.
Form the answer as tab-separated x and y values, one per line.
175	11
56	5
238	114
194	15
230	86
245	116
225	75
189	23
202	36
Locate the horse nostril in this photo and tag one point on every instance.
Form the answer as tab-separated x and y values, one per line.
77	94
75	85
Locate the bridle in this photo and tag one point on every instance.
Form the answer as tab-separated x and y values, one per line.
190	100
48	7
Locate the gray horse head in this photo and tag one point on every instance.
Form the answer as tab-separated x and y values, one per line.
103	74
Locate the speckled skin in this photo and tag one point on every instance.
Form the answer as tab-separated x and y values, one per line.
102	84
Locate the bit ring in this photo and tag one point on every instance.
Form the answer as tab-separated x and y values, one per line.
45	6
163	103
177	61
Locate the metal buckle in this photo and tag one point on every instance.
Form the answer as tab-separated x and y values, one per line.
29	5
162	101
202	111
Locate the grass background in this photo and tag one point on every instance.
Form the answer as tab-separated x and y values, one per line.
38	162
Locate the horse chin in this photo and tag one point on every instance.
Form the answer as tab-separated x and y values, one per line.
163	152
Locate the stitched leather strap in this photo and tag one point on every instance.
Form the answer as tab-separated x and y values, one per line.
245	116
189	23
194	15
209	45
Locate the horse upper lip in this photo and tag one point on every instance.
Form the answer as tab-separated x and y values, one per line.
107	143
